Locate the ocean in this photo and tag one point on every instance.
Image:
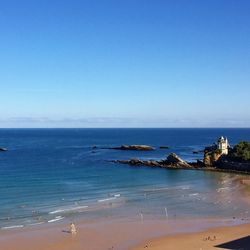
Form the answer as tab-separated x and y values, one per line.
52	175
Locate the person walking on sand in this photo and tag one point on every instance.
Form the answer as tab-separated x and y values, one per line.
73	228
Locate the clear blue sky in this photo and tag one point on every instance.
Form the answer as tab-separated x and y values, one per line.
125	63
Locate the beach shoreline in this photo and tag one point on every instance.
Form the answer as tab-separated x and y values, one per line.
132	233
233	237
118	234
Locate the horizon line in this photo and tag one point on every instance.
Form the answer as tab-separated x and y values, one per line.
124	127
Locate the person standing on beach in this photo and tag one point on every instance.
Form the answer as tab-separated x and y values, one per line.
73	228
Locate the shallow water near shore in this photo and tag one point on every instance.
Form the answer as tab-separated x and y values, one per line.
55	175
106	233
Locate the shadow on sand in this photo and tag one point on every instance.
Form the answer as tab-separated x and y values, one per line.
66	231
239	244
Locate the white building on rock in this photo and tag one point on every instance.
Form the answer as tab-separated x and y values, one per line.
223	145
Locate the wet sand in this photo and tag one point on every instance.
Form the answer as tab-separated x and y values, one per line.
235	237
122	235
229	237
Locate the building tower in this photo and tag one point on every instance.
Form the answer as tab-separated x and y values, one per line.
223	145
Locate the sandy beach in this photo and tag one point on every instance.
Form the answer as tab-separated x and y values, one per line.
135	234
235	237
124	235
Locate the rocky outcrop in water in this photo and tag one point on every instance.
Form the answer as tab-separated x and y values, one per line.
198	151
138	162
172	161
133	147
237	160
227	164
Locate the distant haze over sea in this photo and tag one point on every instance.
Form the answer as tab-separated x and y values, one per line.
109	122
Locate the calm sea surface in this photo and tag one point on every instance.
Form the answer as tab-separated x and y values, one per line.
49	175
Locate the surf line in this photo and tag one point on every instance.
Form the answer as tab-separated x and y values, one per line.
11	227
67	209
56	219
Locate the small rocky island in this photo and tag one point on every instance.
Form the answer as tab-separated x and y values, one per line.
133	147
218	157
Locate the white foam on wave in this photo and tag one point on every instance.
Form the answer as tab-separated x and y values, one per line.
56	219
107	199
11	227
156	189
185	187
162	189
68	209
113	197
194	194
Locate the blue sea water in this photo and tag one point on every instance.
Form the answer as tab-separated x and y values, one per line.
48	175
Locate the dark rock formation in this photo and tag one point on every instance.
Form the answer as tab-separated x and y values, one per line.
227	164
134	147
164	147
174	160
210	157
198	151
137	162
214	158
200	164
